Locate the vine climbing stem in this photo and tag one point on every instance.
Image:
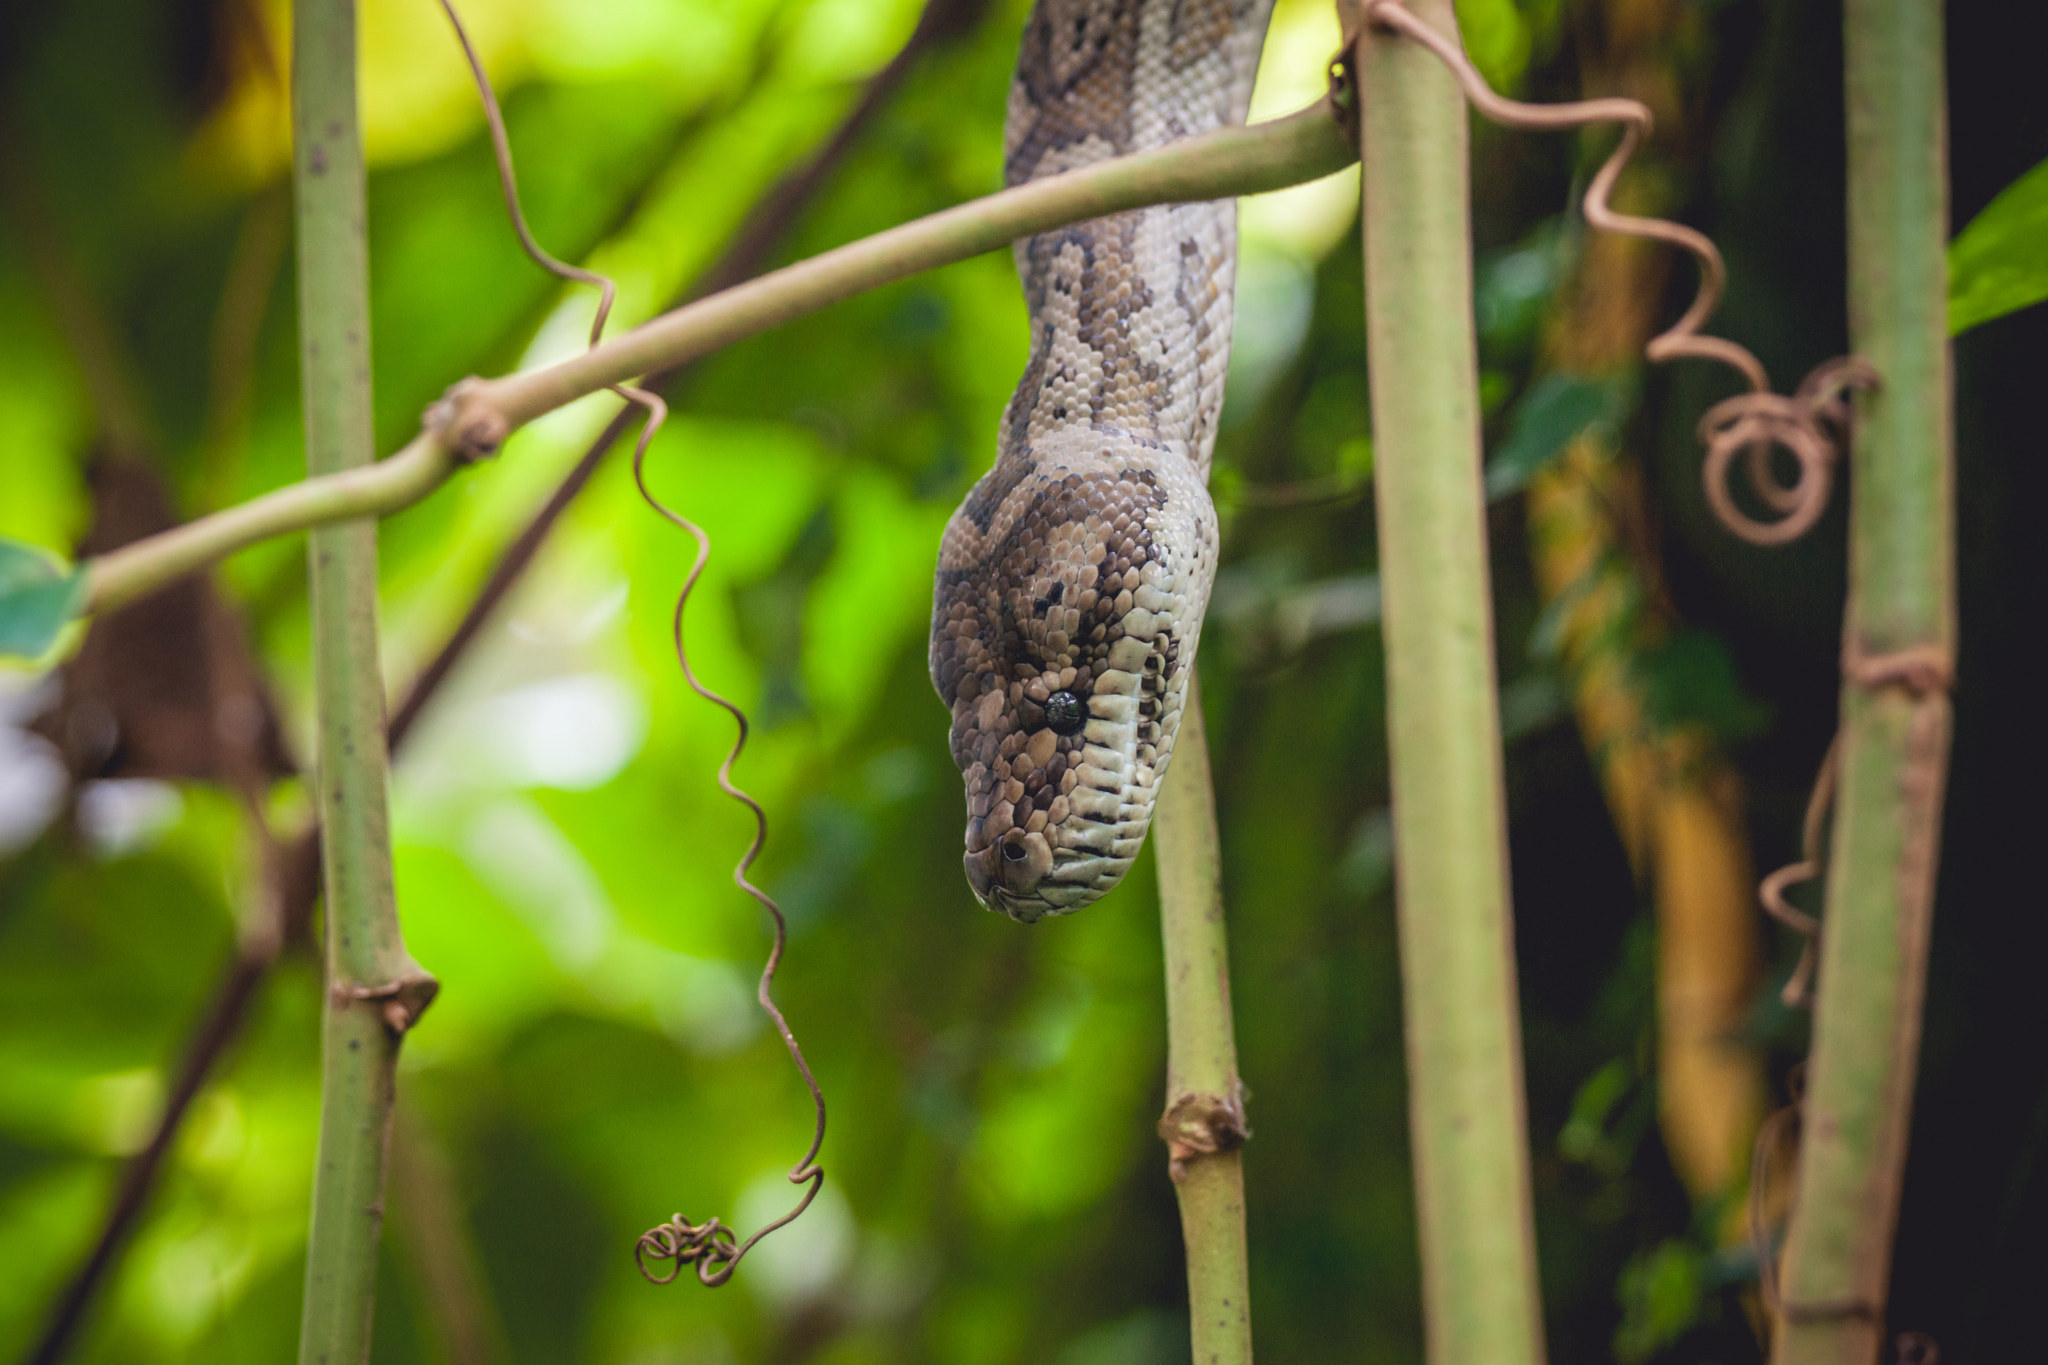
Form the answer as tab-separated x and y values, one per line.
374	989
1898	647
1466	1106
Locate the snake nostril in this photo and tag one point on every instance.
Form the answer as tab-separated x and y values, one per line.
1014	852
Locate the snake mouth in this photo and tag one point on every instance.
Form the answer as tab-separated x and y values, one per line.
1022	911
1023	877
1006	875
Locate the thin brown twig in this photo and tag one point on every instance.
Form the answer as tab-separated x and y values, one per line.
281	869
253	267
119	405
455	1294
1326	490
223	1021
511	566
711	1246
772	216
1751	423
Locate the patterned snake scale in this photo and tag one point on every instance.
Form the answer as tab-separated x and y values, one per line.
1073	578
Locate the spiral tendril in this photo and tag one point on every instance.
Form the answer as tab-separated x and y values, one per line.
712	1247
1812	425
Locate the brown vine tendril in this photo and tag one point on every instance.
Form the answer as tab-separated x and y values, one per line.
1810	426
508	187
1798	991
1925	673
712	1247
1814	426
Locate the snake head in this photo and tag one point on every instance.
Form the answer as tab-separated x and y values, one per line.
1062	632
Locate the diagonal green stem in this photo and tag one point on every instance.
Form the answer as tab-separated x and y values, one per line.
1233	161
141	567
1899	638
1230	161
1466	1108
374	990
1204	1125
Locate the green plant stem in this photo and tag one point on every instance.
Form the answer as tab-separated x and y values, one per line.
1466	1106
1233	161
1228	162
121	576
1204	1124
374	990
1898	638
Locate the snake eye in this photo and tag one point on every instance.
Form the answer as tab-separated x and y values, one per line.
1065	713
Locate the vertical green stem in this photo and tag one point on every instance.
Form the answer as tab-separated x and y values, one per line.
374	990
1204	1125
1898	639
1466	1107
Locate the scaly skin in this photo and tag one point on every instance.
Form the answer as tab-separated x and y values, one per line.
1073	579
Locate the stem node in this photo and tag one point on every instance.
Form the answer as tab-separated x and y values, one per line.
1198	1125
466	422
402	1001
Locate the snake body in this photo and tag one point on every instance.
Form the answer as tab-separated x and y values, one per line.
1073	578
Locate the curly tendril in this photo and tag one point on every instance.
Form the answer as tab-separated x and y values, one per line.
1812	425
712	1247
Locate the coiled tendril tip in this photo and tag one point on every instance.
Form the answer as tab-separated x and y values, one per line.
712	1247
1812	426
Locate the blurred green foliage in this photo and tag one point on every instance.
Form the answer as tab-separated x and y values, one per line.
594	1062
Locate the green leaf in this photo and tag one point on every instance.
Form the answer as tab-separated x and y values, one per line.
38	597
1554	411
1585	1137
1690	678
1999	263
1662	1297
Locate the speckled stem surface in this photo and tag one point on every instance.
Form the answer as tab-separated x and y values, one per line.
365	954
1465	1096
1204	1124
1899	636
